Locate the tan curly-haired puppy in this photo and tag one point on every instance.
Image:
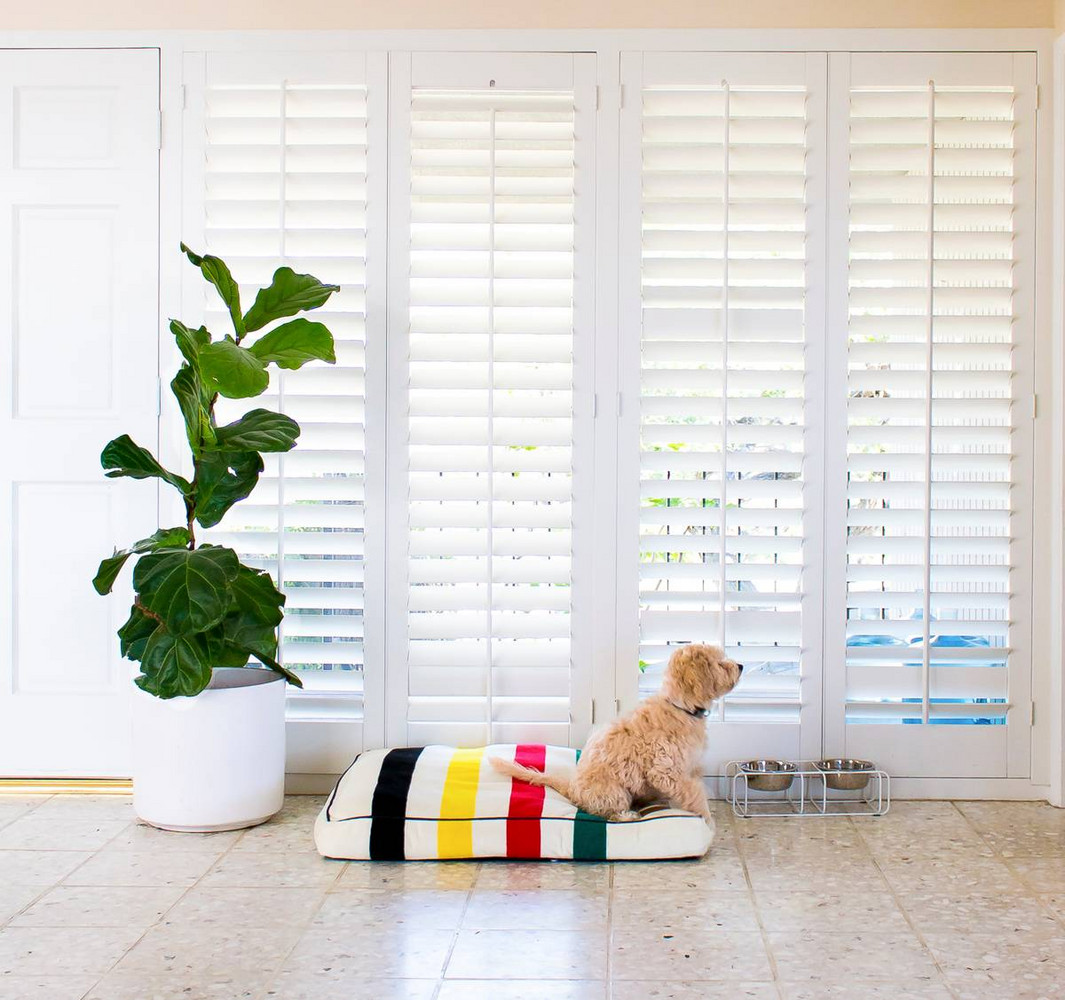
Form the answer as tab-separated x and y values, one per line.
654	753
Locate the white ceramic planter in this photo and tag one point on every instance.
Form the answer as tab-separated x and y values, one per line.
213	762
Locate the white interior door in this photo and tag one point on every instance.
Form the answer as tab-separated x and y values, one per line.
78	348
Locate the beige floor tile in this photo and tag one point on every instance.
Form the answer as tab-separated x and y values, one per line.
41	868
371	952
12	807
331	986
813	910
47	987
291	829
1036	988
1002	959
1055	903
529	989
855	955
893	989
14	898
194	950
528	954
223	908
1005	913
64	807
715	872
57	951
685	954
655	990
847	873
731	910
137	986
100	906
439	909
142	837
1043	874
401	875
953	876
142	868
272	869
37	833
536	909
543	875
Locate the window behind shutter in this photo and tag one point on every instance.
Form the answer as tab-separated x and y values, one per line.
937	434
285	179
490	399
728	195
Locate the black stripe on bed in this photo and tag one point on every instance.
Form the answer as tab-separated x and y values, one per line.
389	807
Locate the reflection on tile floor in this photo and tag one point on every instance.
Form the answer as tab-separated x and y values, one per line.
937	901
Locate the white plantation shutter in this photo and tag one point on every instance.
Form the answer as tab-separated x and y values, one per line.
938	411
285	184
490	398
727	205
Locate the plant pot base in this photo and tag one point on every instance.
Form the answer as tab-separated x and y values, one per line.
220	828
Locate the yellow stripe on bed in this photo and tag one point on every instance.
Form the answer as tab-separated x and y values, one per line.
454	837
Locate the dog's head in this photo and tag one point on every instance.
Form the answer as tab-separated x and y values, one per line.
698	675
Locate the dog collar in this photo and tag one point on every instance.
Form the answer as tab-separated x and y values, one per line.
695	713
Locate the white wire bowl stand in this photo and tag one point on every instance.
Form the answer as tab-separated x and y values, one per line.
807	795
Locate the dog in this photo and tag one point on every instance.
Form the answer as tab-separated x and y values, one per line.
655	752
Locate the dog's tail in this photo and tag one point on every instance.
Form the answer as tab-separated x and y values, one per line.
538	778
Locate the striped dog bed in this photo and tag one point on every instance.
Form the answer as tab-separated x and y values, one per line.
427	803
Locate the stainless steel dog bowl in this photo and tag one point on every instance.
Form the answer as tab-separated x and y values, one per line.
768	775
855	773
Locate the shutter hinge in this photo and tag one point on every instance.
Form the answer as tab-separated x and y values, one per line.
184	97
1035	406
1031	713
597	97
1038	96
159	140
595	405
621	95
619	404
158	397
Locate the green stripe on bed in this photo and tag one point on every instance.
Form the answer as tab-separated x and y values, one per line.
589	835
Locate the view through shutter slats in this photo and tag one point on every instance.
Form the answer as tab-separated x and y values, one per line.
490	397
722	373
938	319
285	180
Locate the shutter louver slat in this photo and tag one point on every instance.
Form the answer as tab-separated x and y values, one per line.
285	180
722	372
490	387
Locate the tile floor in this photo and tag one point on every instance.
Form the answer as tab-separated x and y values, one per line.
934	901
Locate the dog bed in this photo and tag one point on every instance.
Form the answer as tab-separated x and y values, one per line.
427	803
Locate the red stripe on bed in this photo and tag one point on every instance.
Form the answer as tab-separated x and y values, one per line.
526	805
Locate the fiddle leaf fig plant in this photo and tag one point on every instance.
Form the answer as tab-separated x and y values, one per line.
197	606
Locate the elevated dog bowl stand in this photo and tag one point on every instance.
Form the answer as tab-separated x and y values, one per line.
808	794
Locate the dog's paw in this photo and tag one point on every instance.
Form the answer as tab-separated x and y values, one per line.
625	817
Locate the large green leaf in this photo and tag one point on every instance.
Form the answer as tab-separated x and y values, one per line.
223	478
259	430
232	370
195	409
187	589
268	661
124	457
256	597
189	342
217	273
288	294
134	633
293	344
174	666
164	538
